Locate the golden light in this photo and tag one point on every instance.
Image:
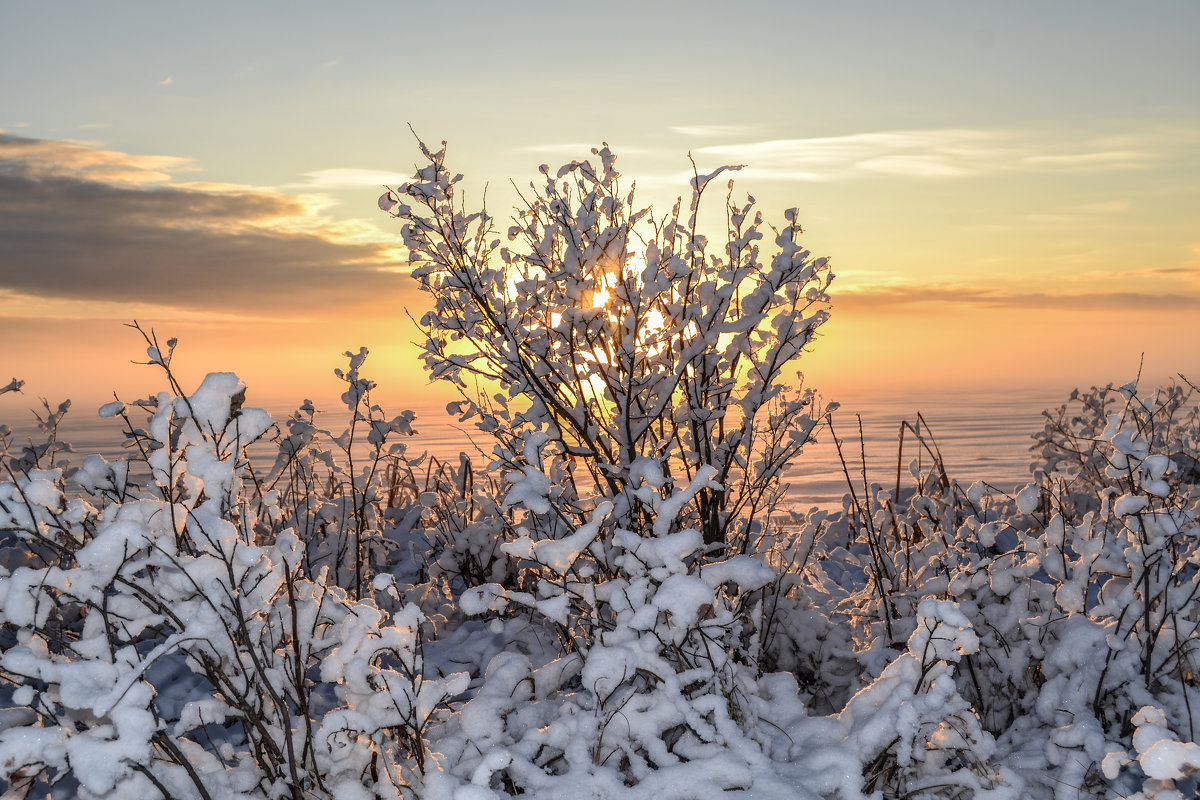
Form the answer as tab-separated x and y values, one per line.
601	297
635	263
596	384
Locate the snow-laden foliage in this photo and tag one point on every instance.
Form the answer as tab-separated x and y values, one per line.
168	632
1082	588
626	341
618	605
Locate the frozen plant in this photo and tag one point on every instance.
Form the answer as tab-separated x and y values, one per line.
918	737
1081	587
165	636
634	380
647	687
336	488
623	337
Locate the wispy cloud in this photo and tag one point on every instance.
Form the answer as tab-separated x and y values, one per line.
575	149
1175	272
1075	215
344	177
951	294
1166	282
946	153
914	165
39	307
938	153
81	223
709	131
167	81
1097	159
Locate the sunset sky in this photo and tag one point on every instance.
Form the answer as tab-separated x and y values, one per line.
1010	192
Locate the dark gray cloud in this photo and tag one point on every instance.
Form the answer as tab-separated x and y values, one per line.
81	223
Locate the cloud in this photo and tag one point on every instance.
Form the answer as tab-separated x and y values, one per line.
344	177
571	149
1070	215
1181	272
81	223
167	81
915	165
898	297
32	308
945	153
83	161
1053	219
576	150
929	153
1100	159
1162	275
707	131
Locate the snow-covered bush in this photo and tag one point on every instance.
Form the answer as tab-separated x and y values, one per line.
334	489
462	522
917	735
645	676
173	635
1083	589
623	338
634	381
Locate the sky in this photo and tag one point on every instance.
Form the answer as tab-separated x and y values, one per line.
1009	193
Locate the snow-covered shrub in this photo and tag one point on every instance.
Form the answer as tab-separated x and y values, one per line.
49	451
334	489
918	737
1164	761
642	423
804	630
1082	588
1130	565
650	670
1073	446
173	636
623	338
462	522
